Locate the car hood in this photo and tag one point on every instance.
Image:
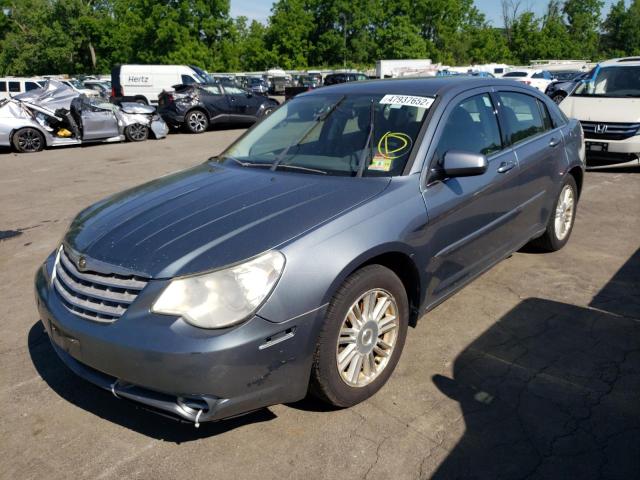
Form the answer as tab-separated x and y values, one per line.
210	216
591	109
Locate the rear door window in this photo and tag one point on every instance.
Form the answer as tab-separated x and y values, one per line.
521	115
30	86
14	86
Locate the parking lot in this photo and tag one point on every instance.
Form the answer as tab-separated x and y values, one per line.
531	371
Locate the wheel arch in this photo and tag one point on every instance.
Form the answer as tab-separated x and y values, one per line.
200	109
45	135
399	261
578	175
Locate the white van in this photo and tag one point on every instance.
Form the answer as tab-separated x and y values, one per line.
11	86
608	107
143	83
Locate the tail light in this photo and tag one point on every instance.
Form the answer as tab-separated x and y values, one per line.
113	91
526	82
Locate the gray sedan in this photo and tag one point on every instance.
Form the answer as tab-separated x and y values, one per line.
297	260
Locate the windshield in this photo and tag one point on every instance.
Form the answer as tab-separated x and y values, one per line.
363	135
611	82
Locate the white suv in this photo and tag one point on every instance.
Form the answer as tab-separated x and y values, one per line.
608	106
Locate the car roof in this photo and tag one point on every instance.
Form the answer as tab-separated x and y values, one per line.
429	86
622	62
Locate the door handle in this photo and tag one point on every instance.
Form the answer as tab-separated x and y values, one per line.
554	142
506	166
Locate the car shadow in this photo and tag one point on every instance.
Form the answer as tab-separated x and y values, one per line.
122	412
552	390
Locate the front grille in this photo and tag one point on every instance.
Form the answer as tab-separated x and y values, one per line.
92	295
612	131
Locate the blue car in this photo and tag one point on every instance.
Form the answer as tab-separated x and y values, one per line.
297	259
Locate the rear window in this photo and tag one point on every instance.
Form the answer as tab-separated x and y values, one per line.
188	80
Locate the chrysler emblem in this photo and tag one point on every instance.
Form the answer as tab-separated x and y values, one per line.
601	128
82	263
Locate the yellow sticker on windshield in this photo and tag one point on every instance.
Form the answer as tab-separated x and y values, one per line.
380	163
394	144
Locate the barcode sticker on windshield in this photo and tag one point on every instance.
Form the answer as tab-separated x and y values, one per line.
407	100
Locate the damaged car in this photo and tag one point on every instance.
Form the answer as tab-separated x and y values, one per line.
56	115
195	107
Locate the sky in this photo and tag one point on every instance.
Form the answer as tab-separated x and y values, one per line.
260	9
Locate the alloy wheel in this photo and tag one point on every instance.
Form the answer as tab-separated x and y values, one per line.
138	132
367	337
29	140
197	122
564	212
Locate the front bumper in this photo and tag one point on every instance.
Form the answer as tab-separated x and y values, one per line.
171	366
612	151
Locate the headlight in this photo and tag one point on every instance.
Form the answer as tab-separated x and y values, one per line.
224	297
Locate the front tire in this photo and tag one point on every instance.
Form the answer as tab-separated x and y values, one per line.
362	338
196	121
562	218
136	132
28	140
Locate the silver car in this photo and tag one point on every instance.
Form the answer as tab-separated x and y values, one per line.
56	115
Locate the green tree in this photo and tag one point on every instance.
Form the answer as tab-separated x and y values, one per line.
613	39
583	17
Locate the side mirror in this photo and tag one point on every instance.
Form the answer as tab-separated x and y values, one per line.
464	164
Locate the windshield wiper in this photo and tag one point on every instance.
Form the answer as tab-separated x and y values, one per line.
367	152
305	169
318	119
245	164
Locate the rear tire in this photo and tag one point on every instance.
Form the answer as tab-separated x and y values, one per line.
196	121
562	218
28	140
136	133
362	338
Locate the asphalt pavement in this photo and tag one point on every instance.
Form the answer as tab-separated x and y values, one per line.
532	371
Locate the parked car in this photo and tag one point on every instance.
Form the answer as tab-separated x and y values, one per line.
34	122
305	84
296	260
79	87
258	85
608	107
12	86
334	78
539	79
196	107
144	83
558	90
103	88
